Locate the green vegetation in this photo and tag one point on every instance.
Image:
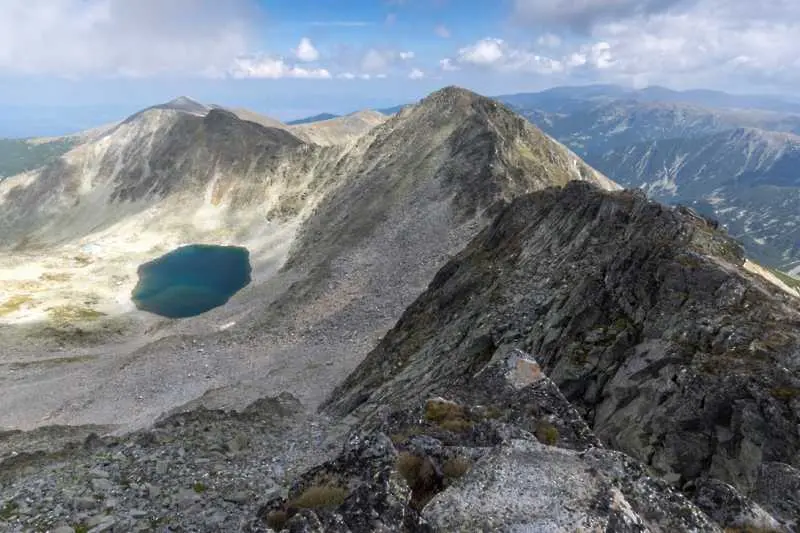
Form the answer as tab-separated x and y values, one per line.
547	433
456	467
789	280
447	415
68	314
276	520
420	475
58	277
199	487
8	510
81	528
14	304
785	393
320	496
21	155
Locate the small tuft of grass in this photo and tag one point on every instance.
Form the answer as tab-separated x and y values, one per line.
320	496
456	425
420	475
67	314
447	415
14	304
276	520
438	411
546	433
785	393
58	277
199	487
81	528
8	510
456	467
82	260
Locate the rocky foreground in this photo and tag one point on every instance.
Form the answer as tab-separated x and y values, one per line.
672	403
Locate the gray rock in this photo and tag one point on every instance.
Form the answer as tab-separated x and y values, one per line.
85	503
64	529
98	473
778	491
730	509
239	497
102	485
527	486
186	498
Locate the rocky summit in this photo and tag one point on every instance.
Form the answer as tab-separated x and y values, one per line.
453	324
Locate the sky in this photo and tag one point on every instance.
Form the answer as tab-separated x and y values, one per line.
293	58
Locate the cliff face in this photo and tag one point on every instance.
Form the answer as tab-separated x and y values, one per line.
642	314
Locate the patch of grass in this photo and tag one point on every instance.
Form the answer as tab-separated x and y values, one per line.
68	314
82	260
199	487
447	415
14	304
787	279
546	433
406	433
438	411
785	393
456	425
276	520
420	475
57	277
8	510
320	496
81	528
456	467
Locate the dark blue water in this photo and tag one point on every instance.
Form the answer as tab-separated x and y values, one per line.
191	280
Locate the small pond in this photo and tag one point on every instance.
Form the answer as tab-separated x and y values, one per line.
191	280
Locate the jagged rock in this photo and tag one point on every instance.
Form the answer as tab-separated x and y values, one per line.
359	491
778	491
640	313
526	486
730	509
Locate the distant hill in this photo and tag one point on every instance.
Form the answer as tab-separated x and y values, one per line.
309	120
20	155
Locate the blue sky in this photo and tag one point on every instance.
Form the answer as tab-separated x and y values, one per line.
291	58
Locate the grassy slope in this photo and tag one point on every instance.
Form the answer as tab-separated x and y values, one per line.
19	155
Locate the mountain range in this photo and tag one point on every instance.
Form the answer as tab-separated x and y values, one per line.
454	324
643	138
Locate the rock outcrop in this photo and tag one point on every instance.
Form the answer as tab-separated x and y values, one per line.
640	313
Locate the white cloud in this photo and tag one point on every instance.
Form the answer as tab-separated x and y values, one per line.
305	51
583	14
416	74
485	52
442	31
347	76
376	60
273	68
448	65
405	56
549	40
714	43
121	37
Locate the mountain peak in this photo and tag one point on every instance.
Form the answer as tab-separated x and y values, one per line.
453	95
184	104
